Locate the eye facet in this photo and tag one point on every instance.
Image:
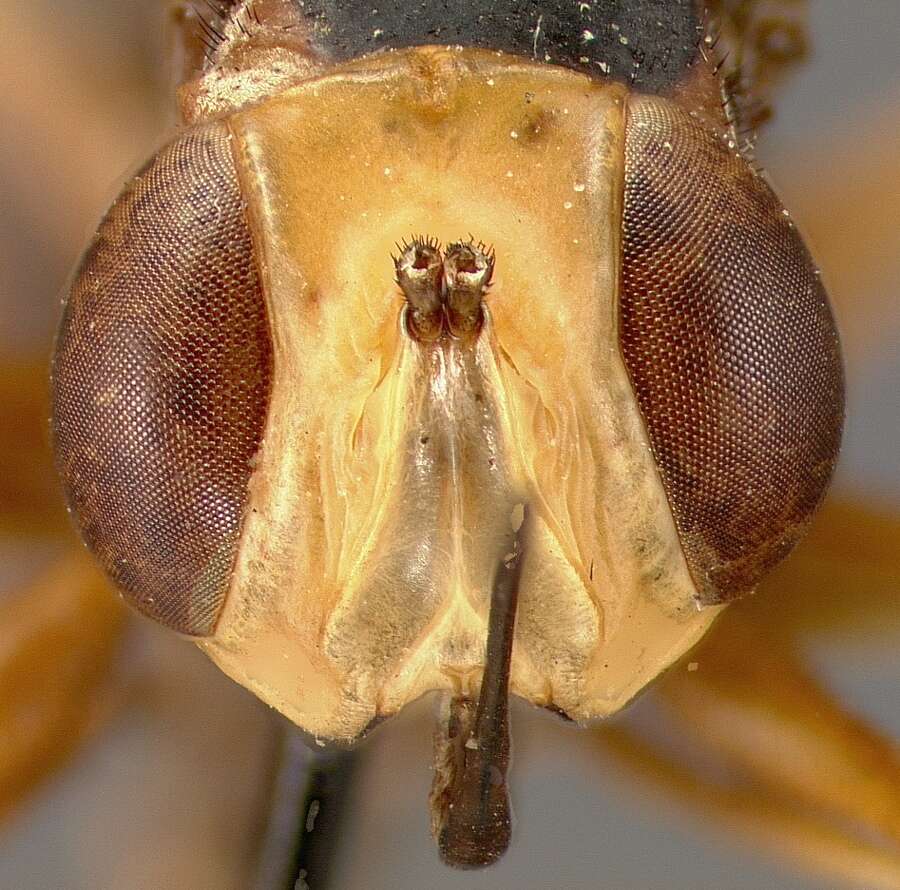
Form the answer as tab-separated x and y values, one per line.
161	380
731	347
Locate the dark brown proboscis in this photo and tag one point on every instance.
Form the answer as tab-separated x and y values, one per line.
470	797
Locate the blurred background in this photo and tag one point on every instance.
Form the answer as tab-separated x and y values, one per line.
171	783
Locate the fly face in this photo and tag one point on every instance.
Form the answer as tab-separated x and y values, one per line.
393	462
350	476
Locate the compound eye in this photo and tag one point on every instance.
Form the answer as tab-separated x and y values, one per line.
731	347
161	380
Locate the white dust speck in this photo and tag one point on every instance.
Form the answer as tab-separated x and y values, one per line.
693	666
587	36
490	81
387	171
513	134
517	517
311	814
568	205
578	187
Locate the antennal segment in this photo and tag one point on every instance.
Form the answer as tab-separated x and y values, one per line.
419	273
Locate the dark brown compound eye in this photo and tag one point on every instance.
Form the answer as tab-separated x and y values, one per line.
731	347
161	380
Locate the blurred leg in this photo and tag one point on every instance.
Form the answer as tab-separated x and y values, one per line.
60	635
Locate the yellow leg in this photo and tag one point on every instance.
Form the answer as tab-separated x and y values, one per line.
841	583
751	701
749	816
30	502
783	762
59	636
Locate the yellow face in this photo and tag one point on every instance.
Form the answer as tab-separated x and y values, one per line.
392	471
539	467
275	445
